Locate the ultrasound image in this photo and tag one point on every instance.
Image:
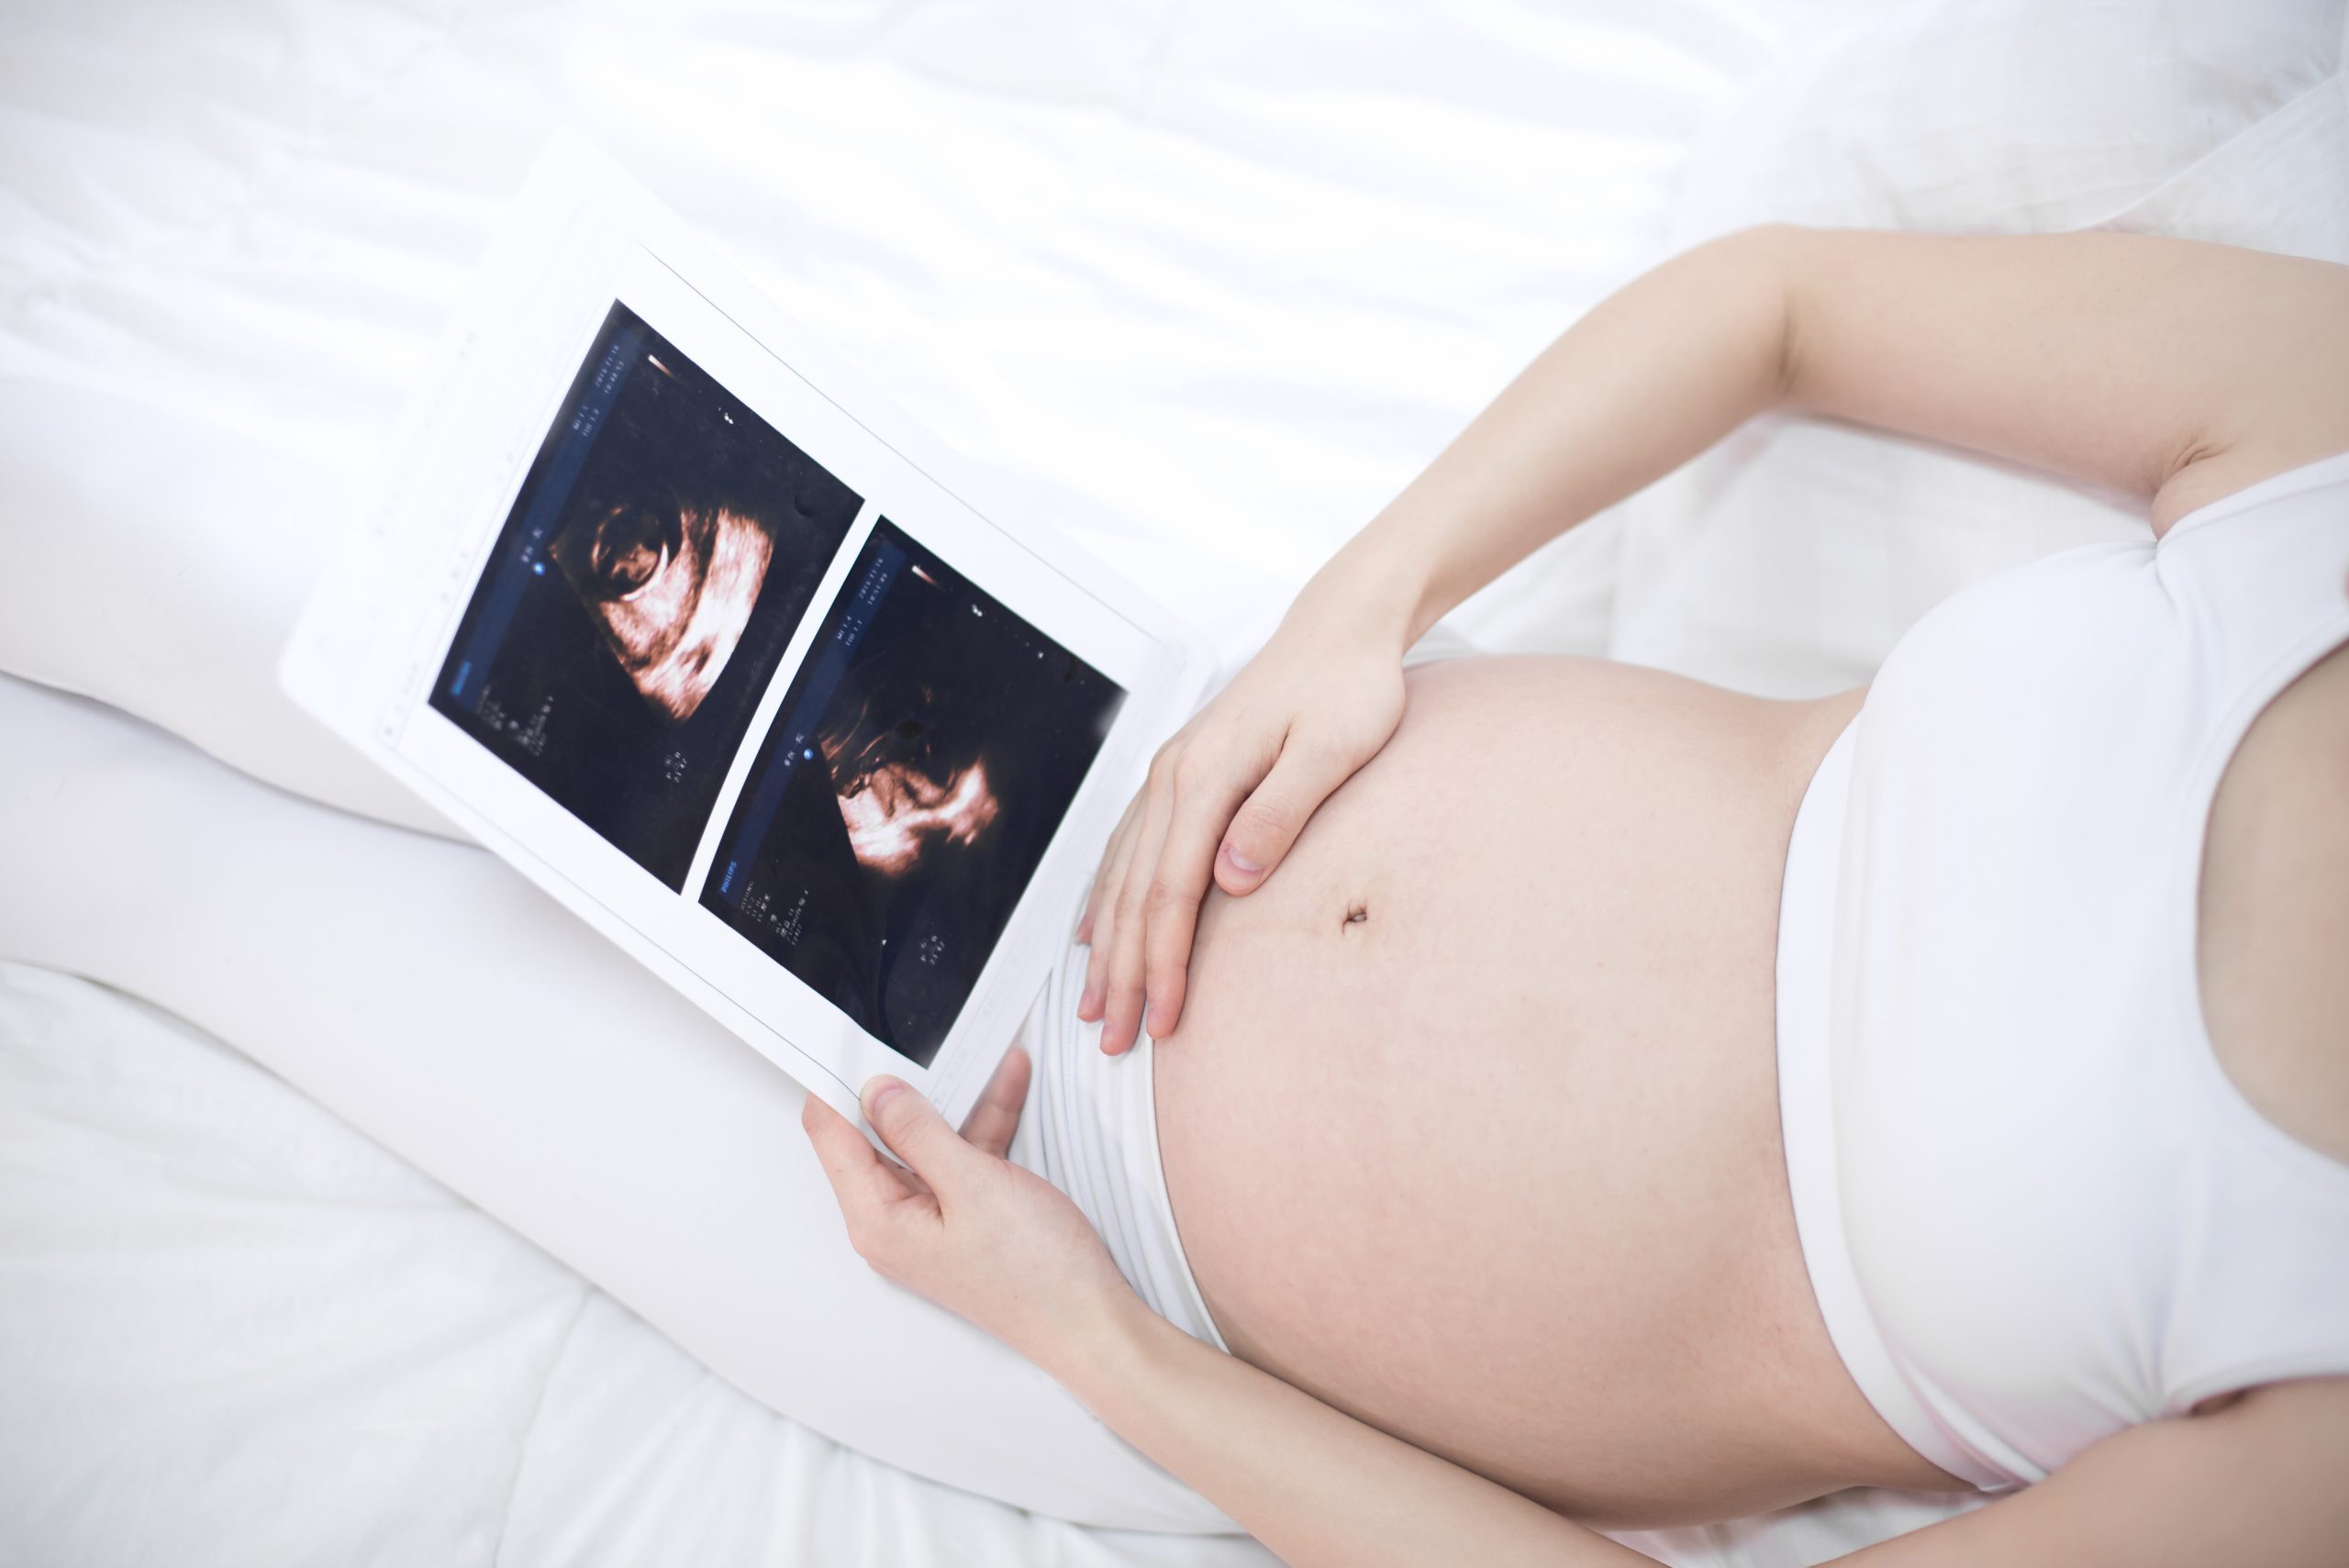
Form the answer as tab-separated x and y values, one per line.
920	765
664	546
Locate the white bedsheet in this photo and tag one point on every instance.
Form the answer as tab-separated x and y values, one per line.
234	1330
1205	283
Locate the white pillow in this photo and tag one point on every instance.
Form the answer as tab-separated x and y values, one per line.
1209	290
1788	560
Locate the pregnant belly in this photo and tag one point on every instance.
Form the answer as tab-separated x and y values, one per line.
1471	1126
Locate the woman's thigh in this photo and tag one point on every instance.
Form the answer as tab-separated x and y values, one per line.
435	1000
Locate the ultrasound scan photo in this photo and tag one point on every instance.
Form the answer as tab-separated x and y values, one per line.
919	767
664	546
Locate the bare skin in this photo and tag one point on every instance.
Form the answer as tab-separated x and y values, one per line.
1562	1269
1629	1235
1512	1069
1570	1279
2275	901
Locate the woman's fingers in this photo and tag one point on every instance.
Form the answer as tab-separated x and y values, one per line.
864	1183
1175	888
1104	917
1099	893
995	1118
1224	802
1268	822
916	1133
1121	996
999	1245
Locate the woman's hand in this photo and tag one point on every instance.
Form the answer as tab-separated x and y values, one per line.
964	1226
1005	1249
1226	797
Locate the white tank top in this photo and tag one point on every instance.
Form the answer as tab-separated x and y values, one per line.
2033	1206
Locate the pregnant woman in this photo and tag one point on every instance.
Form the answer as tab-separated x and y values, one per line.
1556	1094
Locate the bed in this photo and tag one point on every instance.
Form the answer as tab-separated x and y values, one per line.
1202	283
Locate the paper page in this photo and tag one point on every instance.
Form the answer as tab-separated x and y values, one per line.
667	608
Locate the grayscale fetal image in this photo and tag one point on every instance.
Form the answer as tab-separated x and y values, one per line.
920	765
664	545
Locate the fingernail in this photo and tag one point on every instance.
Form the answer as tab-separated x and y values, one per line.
1089	1002
877	1093
1240	862
1153	1019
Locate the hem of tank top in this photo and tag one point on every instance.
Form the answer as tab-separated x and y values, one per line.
1803	1012
2259	1373
2314	474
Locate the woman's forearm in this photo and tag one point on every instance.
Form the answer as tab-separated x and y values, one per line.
1653	375
2165	369
1311	1483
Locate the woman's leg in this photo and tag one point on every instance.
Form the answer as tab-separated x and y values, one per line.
442	1005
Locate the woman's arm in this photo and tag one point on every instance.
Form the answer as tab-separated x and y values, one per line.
2165	369
2263	1483
1308	1480
1010	1252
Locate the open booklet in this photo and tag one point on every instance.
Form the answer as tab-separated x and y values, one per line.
670	609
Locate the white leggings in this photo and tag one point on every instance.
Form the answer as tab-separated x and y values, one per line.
439	1003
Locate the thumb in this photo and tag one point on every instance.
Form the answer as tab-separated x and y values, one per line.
914	1130
1269	821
